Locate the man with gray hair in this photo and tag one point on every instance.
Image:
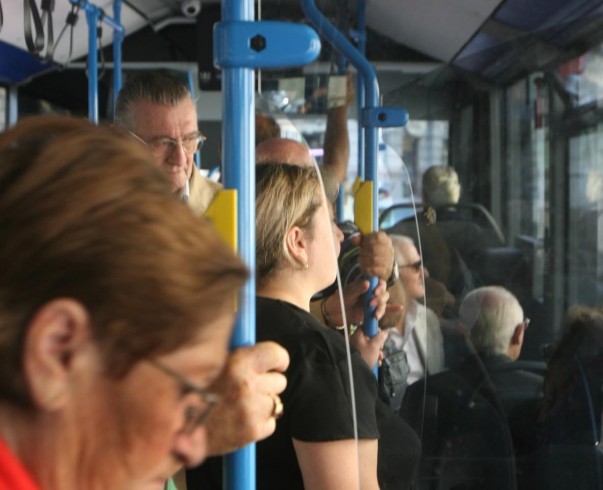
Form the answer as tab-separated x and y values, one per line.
158	109
497	327
495	319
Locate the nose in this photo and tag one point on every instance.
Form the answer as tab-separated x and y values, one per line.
178	155
425	272
191	449
338	234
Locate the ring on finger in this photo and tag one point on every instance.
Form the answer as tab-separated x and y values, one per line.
277	410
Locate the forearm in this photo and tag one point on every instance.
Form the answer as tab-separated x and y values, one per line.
335	465
328	311
337	142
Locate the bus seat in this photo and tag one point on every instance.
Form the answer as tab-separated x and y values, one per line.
505	266
466	442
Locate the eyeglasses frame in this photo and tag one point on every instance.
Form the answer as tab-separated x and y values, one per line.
193	418
416	266
200	137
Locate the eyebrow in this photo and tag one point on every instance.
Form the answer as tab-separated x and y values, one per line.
165	136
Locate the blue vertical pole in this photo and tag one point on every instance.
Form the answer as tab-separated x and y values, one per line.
190	80
327	30
13	105
360	85
238	135
340	203
93	14
118	37
92	19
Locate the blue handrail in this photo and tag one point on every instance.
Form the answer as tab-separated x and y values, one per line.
371	87
93	15
361	41
118	37
241	45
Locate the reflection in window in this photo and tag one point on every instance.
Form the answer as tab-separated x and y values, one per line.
527	157
585	248
418	145
582	77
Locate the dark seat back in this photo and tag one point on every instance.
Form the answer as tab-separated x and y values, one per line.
466	441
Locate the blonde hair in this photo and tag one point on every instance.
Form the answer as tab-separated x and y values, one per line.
286	196
84	214
441	186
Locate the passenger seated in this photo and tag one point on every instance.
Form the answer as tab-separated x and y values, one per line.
572	385
441	191
569	432
497	327
418	333
464	434
450	243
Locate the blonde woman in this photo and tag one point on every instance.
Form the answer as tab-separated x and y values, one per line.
313	446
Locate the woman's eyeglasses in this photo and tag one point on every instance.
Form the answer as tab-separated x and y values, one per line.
415	266
194	415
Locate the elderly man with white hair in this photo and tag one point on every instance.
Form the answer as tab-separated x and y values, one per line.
497	327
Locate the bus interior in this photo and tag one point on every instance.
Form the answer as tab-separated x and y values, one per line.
506	92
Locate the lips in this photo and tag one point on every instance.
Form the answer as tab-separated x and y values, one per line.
173	169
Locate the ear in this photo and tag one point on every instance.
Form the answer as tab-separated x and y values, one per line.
517	337
297	244
57	333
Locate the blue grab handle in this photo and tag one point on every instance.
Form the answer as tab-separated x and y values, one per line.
370	325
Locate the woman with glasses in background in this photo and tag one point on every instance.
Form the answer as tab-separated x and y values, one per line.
115	313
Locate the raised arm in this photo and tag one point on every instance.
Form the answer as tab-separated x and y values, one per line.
337	141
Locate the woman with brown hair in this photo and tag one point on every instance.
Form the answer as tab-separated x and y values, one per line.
115	313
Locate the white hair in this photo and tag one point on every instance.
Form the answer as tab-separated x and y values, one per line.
491	313
398	242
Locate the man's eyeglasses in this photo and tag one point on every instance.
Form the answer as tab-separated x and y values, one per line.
415	266
165	147
194	415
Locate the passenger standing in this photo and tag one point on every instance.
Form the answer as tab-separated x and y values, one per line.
375	256
115	314
313	446
158	109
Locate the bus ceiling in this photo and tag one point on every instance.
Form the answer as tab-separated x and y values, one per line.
484	38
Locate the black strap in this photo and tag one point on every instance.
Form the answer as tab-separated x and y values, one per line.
1	16
47	9
30	10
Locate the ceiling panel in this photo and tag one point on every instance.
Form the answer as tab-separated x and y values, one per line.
434	27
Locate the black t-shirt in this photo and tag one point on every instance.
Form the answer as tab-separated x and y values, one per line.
317	399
